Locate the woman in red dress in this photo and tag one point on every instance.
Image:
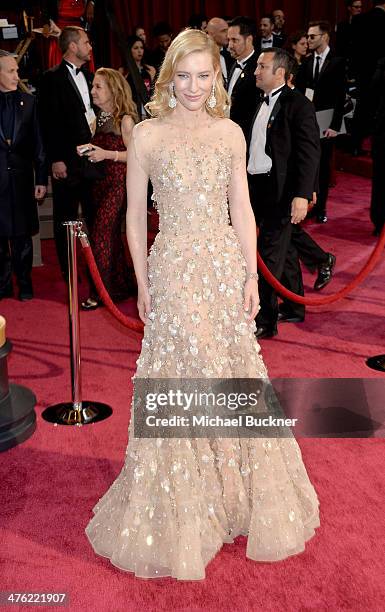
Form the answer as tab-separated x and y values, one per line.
115	120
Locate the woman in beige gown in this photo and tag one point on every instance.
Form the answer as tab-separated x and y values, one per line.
176	501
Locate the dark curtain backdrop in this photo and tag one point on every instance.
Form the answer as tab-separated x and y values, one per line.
177	12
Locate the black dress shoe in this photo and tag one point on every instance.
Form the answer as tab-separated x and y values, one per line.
284	317
25	297
325	272
322	218
265	332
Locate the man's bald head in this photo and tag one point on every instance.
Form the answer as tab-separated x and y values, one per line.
217	30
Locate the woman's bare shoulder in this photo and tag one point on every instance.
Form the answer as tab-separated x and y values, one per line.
230	131
145	128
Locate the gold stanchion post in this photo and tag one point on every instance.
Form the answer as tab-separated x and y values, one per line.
79	411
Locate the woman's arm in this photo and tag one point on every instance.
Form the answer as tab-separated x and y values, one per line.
136	220
242	219
97	154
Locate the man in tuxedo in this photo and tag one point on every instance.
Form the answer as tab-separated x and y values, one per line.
344	29
283	160
21	155
67	118
241	88
321	77
279	24
268	38
217	28
162	33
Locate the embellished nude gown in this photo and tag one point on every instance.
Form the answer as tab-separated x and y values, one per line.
176	501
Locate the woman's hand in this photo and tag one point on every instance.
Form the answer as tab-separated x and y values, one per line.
251	298
96	154
151	71
144	304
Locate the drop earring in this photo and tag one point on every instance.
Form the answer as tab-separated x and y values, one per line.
212	101
172	98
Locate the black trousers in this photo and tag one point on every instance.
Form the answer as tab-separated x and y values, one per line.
325	170
16	255
377	204
67	196
277	251
311	255
309	251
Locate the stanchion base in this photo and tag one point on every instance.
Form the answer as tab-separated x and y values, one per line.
67	414
376	363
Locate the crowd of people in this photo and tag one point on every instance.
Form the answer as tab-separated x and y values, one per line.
82	125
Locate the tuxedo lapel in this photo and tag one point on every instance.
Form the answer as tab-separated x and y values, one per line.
19	111
67	75
325	64
243	72
278	106
252	123
2	135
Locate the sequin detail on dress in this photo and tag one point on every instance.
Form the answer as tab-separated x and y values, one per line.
176	501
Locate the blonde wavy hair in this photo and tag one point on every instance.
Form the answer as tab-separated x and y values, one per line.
121	93
188	41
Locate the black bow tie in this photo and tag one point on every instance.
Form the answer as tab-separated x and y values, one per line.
239	65
267	40
267	98
77	70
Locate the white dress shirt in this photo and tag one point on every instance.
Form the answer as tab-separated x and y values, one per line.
239	66
223	66
259	162
266	43
81	84
322	56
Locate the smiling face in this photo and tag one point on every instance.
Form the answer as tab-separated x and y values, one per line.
266	27
193	80
9	74
101	93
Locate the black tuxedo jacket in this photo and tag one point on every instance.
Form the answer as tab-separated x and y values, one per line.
377	115
229	61
293	143
62	115
18	161
330	89
245	95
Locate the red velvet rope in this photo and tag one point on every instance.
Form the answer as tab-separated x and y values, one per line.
327	299
137	325
130	322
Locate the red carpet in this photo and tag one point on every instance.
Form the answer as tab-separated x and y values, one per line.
51	482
